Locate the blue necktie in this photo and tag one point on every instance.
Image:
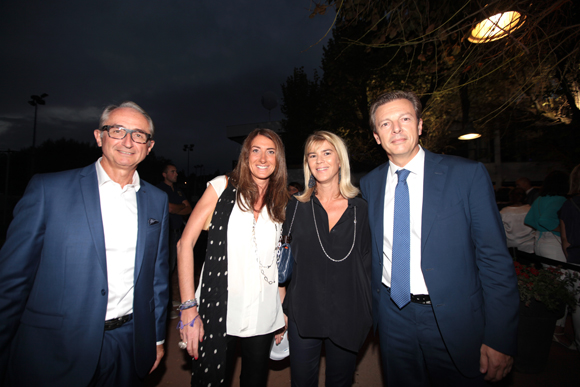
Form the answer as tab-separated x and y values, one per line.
400	274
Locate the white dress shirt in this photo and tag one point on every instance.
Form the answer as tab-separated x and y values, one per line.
254	306
415	183
119	214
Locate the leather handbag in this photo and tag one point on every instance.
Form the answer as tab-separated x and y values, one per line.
285	258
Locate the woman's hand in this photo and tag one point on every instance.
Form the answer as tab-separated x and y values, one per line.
283	330
191	335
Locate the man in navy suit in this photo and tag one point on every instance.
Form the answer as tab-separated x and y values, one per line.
458	325
83	272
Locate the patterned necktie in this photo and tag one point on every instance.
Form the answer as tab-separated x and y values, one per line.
400	274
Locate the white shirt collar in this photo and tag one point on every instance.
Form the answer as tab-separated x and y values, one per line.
103	177
415	166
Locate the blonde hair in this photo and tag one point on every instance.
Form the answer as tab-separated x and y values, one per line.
347	190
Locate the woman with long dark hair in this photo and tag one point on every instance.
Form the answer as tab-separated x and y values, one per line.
238	297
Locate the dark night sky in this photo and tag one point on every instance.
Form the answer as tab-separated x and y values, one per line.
195	66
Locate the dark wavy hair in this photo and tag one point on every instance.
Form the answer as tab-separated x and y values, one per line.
276	195
517	196
575	181
555	184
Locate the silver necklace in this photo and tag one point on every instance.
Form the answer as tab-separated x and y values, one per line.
262	267
319	241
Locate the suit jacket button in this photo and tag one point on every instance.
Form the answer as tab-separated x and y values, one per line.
103	292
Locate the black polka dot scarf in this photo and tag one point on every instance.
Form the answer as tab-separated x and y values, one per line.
209	370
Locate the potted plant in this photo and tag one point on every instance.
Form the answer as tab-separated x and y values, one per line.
544	295
549	286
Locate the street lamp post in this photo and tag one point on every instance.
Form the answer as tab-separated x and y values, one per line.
188	148
36	100
197	169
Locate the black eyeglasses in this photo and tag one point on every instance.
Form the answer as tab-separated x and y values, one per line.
118	133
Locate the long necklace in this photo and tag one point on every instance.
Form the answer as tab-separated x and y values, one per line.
319	241
262	267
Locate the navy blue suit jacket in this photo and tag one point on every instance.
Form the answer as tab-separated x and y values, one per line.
464	258
53	281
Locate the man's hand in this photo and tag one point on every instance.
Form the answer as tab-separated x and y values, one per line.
496	364
160	353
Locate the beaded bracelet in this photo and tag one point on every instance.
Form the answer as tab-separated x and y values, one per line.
188	304
181	325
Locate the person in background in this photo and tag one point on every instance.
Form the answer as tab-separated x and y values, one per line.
445	296
520	237
295	188
238	296
543	216
570	233
178	207
532	193
83	272
332	252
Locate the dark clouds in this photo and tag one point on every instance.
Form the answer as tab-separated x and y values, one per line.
195	66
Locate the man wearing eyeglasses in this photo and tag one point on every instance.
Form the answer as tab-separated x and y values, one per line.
84	272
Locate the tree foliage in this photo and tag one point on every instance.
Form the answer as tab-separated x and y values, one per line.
301	105
530	78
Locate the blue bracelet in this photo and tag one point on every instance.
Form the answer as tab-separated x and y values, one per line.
181	325
188	304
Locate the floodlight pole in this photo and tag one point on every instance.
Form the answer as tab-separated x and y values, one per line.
36	100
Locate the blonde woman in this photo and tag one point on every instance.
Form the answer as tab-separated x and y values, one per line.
328	300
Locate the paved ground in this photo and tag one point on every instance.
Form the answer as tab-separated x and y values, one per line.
563	367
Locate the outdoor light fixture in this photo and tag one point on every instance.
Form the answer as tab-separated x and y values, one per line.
496	27
469	136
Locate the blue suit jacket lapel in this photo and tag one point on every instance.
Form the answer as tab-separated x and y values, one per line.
433	185
90	192
142	224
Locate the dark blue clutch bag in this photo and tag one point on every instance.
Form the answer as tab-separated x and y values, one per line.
285	258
